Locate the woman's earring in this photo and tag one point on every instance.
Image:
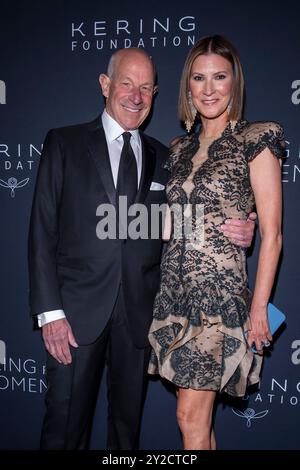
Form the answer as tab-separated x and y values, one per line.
189	124
232	121
229	107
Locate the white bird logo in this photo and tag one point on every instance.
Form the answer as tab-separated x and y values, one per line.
250	414
12	184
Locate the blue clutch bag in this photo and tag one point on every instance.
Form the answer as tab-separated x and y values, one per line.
275	318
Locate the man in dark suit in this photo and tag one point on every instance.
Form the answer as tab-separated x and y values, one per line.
94	295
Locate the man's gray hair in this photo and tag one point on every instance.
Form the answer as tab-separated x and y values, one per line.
111	65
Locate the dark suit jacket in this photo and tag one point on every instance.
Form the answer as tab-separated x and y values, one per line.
70	268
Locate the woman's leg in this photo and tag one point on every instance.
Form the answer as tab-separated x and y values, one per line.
194	416
213	444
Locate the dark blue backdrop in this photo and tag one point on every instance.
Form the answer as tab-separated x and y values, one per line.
51	54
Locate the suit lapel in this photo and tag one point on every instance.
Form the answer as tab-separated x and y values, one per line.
148	166
99	152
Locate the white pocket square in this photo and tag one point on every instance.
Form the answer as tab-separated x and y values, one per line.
156	187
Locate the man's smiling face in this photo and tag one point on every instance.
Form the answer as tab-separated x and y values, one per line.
130	89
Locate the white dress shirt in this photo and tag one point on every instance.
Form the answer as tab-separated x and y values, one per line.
113	133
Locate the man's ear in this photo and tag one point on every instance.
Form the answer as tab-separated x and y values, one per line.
104	81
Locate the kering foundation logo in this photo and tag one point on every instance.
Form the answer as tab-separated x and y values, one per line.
147	32
279	392
20	374
295	97
2	92
12	184
17	160
291	165
249	414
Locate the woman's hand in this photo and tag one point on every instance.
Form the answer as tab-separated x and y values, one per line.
260	333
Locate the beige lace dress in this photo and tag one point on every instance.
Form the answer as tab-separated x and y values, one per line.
201	311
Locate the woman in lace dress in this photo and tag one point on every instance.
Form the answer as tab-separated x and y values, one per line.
204	307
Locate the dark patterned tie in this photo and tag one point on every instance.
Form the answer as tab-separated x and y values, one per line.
127	175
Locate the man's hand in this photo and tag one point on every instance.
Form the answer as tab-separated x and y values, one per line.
57	336
240	232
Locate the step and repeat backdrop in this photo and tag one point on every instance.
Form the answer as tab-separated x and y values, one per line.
51	54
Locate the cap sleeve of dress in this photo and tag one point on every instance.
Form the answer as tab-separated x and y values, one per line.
261	135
